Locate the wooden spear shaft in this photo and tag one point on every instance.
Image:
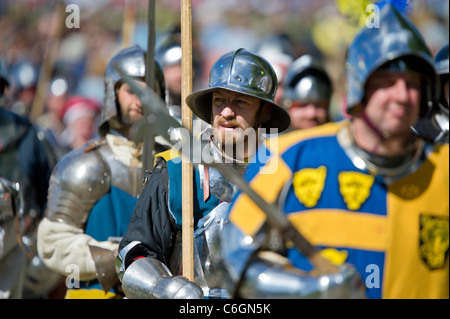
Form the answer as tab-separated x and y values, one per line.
50	56
186	117
147	158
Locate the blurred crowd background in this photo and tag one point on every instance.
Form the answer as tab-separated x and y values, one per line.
34	38
55	69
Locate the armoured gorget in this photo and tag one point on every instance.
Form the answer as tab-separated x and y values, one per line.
211	180
390	168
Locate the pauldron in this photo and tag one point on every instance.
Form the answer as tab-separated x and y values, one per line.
84	176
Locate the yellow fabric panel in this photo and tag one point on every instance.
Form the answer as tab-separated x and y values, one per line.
341	228
269	182
167	155
425	193
281	143
245	214
90	294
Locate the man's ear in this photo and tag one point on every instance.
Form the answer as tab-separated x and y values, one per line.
265	113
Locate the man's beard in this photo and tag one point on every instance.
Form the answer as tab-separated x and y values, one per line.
238	144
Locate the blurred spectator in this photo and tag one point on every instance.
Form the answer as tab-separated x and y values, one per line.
23	160
24	78
168	53
279	52
80	119
50	122
307	93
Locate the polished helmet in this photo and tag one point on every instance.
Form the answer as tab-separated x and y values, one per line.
441	64
395	44
132	61
24	75
169	53
306	81
4	77
243	72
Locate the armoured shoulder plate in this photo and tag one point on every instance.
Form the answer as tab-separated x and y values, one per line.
78	181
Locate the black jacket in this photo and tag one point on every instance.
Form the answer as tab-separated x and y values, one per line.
152	223
23	159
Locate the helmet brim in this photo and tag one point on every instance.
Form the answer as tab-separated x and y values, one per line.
200	103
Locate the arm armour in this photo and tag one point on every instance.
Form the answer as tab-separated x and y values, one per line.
251	272
78	181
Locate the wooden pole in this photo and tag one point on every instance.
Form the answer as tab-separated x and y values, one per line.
186	117
129	23
50	56
149	144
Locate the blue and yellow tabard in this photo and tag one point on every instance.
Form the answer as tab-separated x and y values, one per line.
395	234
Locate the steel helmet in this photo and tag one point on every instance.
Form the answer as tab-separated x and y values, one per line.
132	61
4	80
4	76
441	65
395	43
169	53
24	74
243	72
441	60
306	80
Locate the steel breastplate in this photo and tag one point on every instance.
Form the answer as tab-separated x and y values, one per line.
206	236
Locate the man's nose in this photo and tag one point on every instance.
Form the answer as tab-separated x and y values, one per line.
310	109
228	111
137	100
401	90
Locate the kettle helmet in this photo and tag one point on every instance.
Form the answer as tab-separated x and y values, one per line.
307	81
243	72
441	61
396	44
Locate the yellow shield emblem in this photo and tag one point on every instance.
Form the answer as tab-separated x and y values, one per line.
355	188
308	185
433	244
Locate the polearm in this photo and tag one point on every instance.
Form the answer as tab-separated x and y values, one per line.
186	118
50	55
275	217
147	157
129	23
